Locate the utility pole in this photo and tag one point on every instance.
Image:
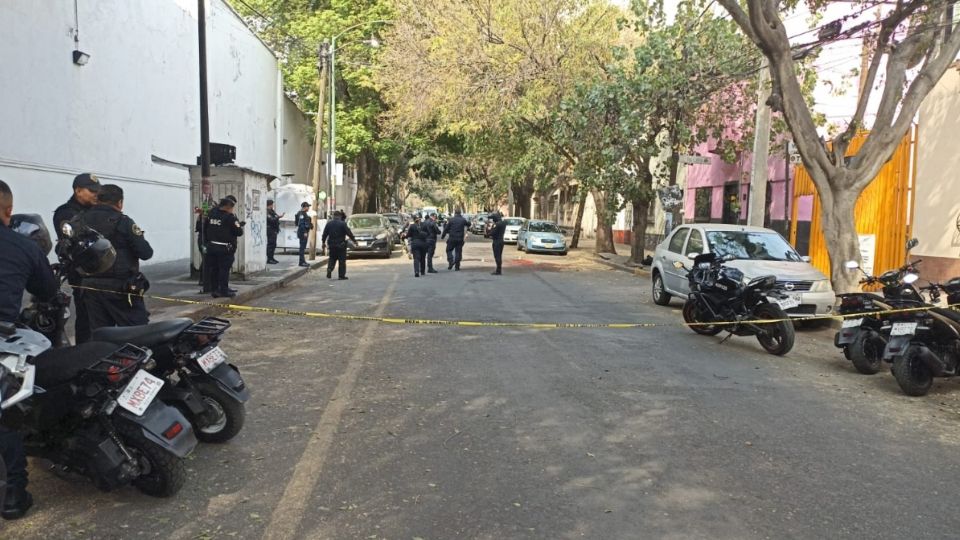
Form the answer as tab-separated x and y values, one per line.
322	57
206	187
757	210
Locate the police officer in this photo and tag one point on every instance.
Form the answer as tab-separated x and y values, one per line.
496	234
118	300
85	188
273	229
335	235
221	229
304	223
433	231
23	266
418	245
456	229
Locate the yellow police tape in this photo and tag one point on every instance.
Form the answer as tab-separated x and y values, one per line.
501	324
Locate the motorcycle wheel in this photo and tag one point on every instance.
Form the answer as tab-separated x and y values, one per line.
690	316
231	415
778	337
866	352
914	378
164	473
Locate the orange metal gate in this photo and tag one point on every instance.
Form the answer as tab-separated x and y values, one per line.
883	209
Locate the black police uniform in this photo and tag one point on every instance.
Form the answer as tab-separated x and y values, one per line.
456	233
433	231
273	229
497	235
304	224
418	246
65	213
221	230
119	301
335	235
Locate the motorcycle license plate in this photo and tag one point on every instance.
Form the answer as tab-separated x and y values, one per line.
139	394
903	329
789	302
213	358
852	323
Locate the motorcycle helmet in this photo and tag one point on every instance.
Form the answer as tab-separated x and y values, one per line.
31	226
87	252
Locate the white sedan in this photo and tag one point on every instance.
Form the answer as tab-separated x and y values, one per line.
512	231
755	251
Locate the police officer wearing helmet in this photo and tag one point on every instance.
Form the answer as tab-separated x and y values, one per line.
418	245
304	223
221	229
85	188
114	297
496	234
23	266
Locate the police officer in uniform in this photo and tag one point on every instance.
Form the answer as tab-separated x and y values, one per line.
433	231
304	223
221	229
496	234
273	229
418	245
85	188
23	266
118	302
456	229
335	235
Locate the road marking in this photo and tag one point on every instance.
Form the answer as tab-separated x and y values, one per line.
289	511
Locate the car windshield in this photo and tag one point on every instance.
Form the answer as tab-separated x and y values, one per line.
761	246
513	221
543	226
364	222
395	220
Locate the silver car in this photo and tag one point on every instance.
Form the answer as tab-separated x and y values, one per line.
541	236
755	251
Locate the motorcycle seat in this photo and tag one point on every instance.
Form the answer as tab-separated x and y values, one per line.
147	335
57	366
948	313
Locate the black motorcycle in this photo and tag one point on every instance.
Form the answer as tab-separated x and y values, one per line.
92	410
719	295
209	391
861	337
924	344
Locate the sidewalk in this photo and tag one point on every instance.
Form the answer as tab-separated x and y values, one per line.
619	260
172	279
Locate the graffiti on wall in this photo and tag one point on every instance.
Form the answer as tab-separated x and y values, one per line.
254	218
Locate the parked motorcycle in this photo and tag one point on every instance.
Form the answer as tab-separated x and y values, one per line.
861	338
925	344
209	391
92	410
719	295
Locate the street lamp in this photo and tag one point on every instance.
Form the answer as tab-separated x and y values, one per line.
331	163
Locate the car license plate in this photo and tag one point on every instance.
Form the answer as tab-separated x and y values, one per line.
213	358
852	323
548	241
903	329
789	302
139	394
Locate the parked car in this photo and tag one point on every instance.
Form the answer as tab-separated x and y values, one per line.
479	224
513	229
374	235
537	235
397	223
755	251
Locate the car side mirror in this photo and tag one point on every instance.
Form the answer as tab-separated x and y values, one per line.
805	258
851	265
692	255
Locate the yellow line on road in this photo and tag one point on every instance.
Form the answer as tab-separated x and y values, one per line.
289	511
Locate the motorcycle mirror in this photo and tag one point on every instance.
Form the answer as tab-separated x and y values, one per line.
32	226
910	278
67	230
912	243
805	258
852	265
692	255
678	265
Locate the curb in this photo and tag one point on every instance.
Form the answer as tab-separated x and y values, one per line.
635	270
199	311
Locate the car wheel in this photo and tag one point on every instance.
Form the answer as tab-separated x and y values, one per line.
660	295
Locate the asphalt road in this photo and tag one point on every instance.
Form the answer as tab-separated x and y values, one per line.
369	430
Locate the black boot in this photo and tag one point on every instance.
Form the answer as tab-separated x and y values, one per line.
17	503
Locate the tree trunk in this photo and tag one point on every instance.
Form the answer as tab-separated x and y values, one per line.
604	225
578	222
638	234
368	172
840	234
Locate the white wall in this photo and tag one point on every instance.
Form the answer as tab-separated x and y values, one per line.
138	96
937	207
